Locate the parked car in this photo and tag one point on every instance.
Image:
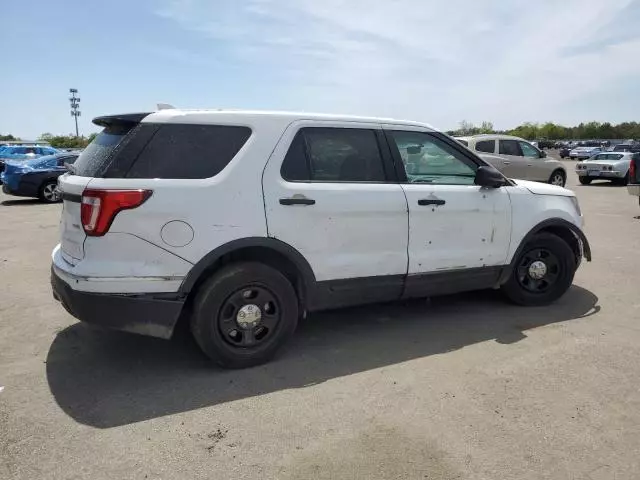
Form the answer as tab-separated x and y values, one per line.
582	153
23	152
627	147
633	187
564	152
36	178
242	222
613	166
517	158
544	143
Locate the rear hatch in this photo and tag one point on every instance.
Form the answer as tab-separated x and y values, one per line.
93	162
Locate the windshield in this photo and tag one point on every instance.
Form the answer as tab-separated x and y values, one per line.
41	162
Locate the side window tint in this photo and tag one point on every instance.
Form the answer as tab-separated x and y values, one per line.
295	166
510	147
487	146
343	155
427	159
189	151
529	150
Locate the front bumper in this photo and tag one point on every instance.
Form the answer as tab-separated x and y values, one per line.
151	314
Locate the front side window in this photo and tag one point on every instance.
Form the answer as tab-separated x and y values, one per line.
529	150
510	147
486	146
427	159
319	154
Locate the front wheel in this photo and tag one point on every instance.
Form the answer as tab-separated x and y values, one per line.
49	192
542	273
244	314
584	180
557	178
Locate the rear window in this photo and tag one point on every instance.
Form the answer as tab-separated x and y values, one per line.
621	148
610	156
189	151
161	151
94	158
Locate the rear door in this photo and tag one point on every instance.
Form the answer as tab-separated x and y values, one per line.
330	193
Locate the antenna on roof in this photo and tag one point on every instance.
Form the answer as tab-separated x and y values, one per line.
165	106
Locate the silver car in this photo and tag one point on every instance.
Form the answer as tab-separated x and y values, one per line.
582	153
613	166
516	158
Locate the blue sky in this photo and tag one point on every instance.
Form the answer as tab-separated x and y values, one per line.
439	62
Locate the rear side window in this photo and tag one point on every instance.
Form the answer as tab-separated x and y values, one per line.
510	147
487	146
189	151
334	155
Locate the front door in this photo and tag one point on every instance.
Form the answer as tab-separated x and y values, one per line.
330	194
454	225
537	169
515	165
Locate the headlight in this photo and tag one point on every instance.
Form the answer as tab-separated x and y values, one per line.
576	205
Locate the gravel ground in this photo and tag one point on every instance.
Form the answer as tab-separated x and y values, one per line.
461	387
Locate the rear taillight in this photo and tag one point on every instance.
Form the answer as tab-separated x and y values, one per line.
100	207
632	170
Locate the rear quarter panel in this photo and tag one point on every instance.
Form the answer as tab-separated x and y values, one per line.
219	210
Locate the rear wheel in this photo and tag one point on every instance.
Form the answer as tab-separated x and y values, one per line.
584	180
49	192
244	314
622	181
557	178
543	272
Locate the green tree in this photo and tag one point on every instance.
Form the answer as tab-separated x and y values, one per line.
8	137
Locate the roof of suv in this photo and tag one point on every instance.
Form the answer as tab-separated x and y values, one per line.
492	136
257	116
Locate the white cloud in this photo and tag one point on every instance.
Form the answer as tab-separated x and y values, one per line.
427	60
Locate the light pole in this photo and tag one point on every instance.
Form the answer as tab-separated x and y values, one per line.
75	106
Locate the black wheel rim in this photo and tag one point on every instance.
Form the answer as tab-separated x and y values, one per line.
538	270
249	317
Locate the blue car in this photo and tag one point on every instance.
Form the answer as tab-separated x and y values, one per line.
36	178
23	152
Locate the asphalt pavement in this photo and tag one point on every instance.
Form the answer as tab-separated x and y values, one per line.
458	387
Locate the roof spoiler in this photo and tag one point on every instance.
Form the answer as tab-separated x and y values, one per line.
127	119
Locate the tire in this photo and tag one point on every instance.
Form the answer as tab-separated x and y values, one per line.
49	192
558	178
584	180
622	181
223	313
559	259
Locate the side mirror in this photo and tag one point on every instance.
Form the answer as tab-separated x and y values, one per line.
543	154
489	177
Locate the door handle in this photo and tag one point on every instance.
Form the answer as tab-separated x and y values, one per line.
529	164
297	201
506	162
431	201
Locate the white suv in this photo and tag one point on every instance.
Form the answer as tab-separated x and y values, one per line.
241	222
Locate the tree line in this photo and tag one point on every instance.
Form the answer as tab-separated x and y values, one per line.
554	131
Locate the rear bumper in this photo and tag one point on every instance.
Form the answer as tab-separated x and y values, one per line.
151	314
634	190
